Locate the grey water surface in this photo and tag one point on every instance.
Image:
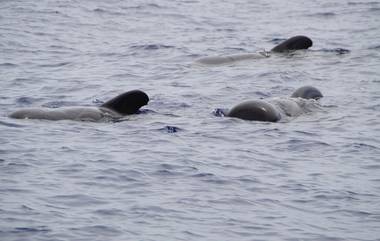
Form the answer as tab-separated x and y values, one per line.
177	171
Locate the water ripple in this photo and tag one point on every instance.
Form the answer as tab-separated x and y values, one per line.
77	200
152	46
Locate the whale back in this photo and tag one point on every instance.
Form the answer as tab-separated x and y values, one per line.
63	113
255	110
307	92
293	43
127	103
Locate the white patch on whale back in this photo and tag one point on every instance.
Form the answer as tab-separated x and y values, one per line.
219	60
293	107
66	113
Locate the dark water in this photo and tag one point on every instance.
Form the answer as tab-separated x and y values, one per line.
176	171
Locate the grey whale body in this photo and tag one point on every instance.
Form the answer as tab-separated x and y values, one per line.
124	104
257	110
218	60
294	43
63	113
260	110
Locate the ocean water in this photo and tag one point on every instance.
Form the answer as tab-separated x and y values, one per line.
177	171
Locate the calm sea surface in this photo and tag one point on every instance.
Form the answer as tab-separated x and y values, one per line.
177	171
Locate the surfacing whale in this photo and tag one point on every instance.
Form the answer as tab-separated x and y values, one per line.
124	104
294	43
257	110
278	108
307	92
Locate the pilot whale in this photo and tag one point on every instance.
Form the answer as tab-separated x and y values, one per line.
294	43
124	104
276	109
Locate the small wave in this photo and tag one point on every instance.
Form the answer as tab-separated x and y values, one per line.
143	6
363	3
184	105
53	46
99	10
30	229
330	197
152	5
76	200
20	80
372	167
353	213
10	124
124	76
104	11
167	166
24	207
166	173
248	179
170	129
14	190
27	100
325	14
18	164
336	50
54	65
203	175
373	107
145	210
363	146
8	65
152	46
374	47
71	169
236	48
193	235
118	179
211	178
229	30
109	212
306	133
99	230
296	144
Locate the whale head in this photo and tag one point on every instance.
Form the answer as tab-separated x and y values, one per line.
255	110
307	92
127	103
293	43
